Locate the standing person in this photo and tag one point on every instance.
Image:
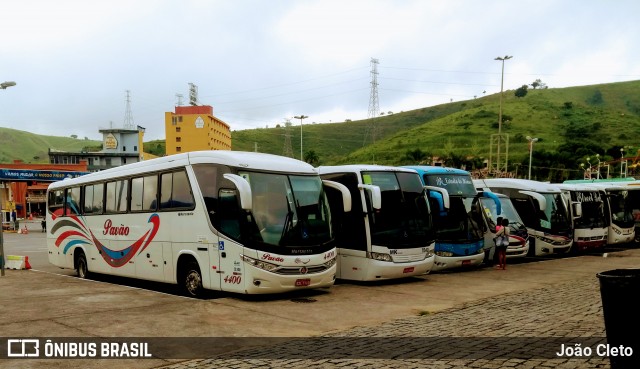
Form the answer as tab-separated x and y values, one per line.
502	242
495	240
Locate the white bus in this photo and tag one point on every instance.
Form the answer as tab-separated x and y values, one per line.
543	211
622	197
460	231
216	220
589	214
389	233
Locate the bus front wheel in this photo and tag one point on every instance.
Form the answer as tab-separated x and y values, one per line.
191	280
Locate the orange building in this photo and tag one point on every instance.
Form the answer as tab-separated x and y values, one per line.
193	128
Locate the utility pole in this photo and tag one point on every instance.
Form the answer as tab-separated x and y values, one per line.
499	139
301	117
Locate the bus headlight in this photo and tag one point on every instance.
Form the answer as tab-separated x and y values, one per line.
330	263
259	264
379	256
550	241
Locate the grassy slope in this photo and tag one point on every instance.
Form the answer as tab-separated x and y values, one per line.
464	128
21	145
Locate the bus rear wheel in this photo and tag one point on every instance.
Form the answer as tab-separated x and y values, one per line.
191	280
81	266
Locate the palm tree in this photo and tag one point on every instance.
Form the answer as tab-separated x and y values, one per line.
311	157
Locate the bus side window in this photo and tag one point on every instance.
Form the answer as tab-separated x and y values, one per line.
144	193
73	201
56	202
175	191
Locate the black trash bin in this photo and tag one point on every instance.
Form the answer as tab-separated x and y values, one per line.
619	290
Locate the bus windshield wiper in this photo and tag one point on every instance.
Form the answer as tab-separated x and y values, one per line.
288	221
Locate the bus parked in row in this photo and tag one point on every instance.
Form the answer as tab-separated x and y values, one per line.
543	211
589	214
460	232
389	233
216	220
620	201
518	236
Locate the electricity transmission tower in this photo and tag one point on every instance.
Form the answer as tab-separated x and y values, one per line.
128	116
374	106
287	151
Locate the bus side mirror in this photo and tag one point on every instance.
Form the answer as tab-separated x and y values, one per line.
244	190
576	209
376	195
495	199
542	201
440	194
344	191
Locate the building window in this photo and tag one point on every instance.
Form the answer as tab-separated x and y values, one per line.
135	148
124	148
177	129
178	149
180	118
107	161
178	139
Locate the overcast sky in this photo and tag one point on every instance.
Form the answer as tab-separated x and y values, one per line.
260	62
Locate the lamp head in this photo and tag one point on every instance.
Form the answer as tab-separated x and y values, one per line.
6	84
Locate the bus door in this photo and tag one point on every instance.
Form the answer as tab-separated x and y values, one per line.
225	258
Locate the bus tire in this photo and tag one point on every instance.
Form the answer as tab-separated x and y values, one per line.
191	280
81	265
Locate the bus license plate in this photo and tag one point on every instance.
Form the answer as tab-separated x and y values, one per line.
466	262
408	270
303	282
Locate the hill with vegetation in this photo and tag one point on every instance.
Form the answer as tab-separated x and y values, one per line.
34	148
571	124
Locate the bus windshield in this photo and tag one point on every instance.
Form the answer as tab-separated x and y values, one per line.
462	222
621	209
593	212
508	212
289	210
455	184
555	217
404	220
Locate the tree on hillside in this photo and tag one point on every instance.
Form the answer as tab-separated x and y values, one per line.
311	157
538	84
522	91
416	156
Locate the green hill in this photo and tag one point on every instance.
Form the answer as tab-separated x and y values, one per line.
607	115
33	148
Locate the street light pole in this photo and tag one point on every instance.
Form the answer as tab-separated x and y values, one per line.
531	141
502	59
622	162
3	86
301	117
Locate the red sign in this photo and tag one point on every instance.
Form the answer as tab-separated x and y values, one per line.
303	282
408	270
